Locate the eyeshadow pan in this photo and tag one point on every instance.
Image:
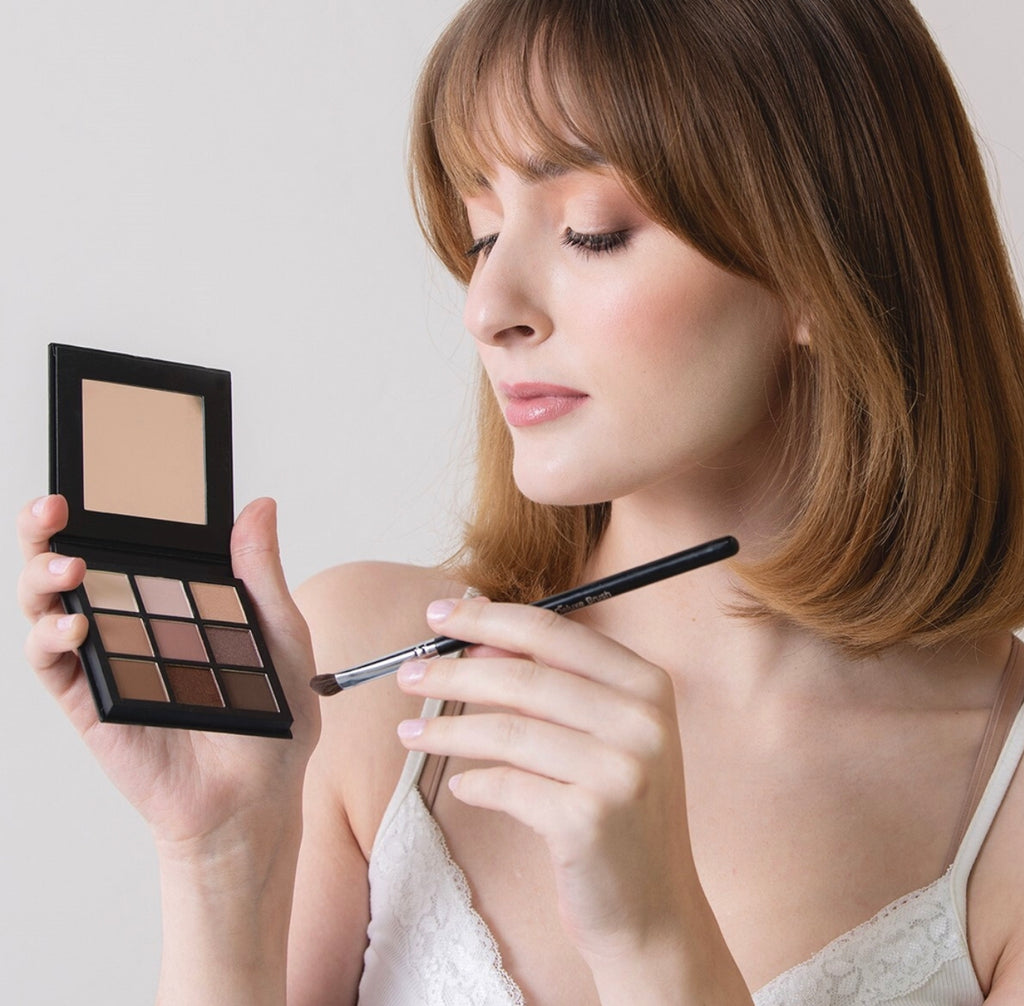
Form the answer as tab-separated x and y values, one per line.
123	634
218	602
246	690
233	646
163	596
138	679
194	686
178	640
109	590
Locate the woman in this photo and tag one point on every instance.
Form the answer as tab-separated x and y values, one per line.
731	267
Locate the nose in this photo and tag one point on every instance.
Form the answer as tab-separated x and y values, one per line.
505	298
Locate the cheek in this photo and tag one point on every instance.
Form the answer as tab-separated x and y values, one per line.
710	353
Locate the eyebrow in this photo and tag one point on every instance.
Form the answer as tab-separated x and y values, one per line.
539	169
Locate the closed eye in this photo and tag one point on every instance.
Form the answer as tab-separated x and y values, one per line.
481	246
595	243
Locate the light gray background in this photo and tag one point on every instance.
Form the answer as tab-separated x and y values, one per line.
221	182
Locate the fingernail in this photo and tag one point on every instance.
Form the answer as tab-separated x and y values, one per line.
453	782
60	564
438	611
37	507
65	622
412	671
409	729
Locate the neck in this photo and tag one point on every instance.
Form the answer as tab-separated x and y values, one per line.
690	624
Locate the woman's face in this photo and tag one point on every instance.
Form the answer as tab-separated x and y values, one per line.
624	361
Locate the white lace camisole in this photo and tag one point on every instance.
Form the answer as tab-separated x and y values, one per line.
429	947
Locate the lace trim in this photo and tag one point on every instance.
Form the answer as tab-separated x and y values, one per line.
420	897
895	952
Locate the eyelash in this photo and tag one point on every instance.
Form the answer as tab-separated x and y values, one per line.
588	244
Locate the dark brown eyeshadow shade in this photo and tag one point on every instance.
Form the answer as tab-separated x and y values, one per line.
233	646
178	640
194	686
123	634
138	679
248	690
218	602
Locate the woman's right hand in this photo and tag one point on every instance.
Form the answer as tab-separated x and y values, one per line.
191	787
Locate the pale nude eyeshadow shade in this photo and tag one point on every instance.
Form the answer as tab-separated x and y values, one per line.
218	602
163	596
109	590
138	679
178	640
123	634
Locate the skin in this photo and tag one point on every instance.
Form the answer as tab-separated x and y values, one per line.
650	796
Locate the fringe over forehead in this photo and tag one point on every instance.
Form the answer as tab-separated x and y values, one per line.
572	83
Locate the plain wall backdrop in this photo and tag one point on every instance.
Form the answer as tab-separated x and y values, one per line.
222	183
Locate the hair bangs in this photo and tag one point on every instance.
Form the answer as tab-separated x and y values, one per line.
534	85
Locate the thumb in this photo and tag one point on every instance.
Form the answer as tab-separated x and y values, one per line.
256	561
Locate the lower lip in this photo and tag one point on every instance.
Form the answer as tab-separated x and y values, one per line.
542	409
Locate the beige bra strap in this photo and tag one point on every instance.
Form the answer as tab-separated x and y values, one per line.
433	767
1008	703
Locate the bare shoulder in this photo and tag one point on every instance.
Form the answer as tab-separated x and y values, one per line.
356	612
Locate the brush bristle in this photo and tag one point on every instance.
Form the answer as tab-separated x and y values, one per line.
324	684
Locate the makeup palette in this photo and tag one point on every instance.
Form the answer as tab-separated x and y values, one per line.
141	450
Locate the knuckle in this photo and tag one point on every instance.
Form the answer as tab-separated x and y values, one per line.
629	778
585	813
524	675
546	620
510	731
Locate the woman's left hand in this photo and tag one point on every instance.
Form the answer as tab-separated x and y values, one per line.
586	740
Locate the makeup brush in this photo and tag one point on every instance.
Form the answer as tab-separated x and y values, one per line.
569	600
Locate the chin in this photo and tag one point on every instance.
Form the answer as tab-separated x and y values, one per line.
562	488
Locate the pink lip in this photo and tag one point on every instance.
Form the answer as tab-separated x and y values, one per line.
529	403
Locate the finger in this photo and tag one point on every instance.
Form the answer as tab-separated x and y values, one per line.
535	746
43	579
550	638
256	561
39	522
255	558
535	801
50	649
531	688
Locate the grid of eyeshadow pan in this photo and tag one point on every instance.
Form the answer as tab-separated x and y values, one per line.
181	641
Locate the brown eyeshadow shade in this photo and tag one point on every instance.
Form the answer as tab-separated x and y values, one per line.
194	686
218	602
246	690
163	596
233	646
138	679
109	590
123	634
178	640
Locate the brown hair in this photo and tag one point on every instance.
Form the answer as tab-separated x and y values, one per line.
819	148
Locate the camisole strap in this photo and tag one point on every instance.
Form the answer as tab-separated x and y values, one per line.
433	769
1001	750
411	771
420	769
1004	710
